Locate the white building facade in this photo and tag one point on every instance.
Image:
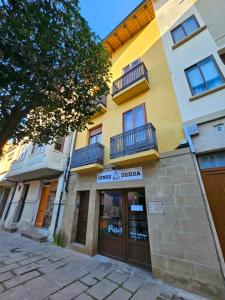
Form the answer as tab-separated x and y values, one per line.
193	33
36	179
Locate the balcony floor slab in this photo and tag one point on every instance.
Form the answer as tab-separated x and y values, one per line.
102	110
135	158
87	168
133	90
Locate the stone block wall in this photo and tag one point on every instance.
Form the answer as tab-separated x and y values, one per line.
183	251
182	247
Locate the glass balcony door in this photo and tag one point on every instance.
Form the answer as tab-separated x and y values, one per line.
133	119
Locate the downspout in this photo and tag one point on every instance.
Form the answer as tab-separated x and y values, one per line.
65	179
189	139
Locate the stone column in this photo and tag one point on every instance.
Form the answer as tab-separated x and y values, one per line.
93	221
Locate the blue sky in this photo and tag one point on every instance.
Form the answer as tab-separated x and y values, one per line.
104	15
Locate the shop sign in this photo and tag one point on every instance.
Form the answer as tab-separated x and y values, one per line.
120	175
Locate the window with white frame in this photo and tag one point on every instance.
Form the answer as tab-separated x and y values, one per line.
23	152
204	76
185	29
131	65
37	148
59	144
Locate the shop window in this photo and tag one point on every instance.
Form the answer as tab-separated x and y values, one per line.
59	144
111	214
95	135
204	76
185	29
137	218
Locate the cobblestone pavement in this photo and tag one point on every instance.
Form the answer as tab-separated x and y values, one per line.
30	270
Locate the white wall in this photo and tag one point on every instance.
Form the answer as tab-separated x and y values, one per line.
171	13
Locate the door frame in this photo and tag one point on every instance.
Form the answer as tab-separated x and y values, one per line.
88	200
21	203
125	223
205	172
45	186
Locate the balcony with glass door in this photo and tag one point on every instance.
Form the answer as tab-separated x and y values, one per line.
138	141
133	82
38	161
91	157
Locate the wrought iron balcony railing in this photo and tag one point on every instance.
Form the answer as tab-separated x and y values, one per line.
102	100
129	78
133	141
88	155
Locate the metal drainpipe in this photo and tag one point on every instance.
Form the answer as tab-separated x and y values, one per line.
64	180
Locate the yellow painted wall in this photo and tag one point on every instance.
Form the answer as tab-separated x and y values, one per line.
160	102
5	162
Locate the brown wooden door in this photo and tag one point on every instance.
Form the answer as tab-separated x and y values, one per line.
123	227
214	181
42	206
82	218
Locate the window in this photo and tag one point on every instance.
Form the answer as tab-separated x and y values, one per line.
204	76
59	144
132	65
37	148
95	135
134	118
222	56
23	152
185	29
10	153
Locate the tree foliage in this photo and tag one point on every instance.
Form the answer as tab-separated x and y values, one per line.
52	69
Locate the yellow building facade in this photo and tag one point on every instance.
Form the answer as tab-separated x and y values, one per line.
156	94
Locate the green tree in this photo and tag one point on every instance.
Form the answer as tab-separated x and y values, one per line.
52	69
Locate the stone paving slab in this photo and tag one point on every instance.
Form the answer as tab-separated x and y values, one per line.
33	271
120	294
69	292
102	289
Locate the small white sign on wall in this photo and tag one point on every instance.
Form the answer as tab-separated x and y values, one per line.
156	207
120	175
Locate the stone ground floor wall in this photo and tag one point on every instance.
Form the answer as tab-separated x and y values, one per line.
182	248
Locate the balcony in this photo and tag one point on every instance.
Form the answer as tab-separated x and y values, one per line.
130	84
101	105
89	158
134	146
44	162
